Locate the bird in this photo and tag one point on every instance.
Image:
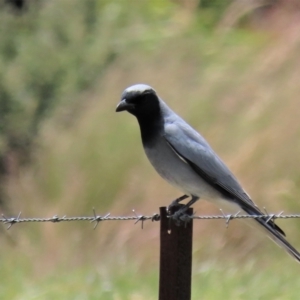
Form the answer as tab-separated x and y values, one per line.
185	160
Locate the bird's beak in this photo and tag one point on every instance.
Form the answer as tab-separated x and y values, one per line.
123	105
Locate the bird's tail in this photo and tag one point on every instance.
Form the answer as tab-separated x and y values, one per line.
274	232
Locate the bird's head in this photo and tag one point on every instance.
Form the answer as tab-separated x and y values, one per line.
140	100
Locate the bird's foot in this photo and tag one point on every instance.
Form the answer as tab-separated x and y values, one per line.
175	203
180	216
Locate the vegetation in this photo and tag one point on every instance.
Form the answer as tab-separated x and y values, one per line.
63	150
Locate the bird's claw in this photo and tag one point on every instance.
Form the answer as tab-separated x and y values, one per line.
181	216
175	203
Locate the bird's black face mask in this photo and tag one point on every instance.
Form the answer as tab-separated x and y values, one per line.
139	104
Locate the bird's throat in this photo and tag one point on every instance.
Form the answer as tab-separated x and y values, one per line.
150	129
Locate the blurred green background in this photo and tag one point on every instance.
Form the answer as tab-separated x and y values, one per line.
231	68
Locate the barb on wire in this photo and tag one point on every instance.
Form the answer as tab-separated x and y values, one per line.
142	218
11	221
98	219
56	219
229	217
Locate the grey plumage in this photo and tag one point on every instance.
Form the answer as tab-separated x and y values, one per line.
184	159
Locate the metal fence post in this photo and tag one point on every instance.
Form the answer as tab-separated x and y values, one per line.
175	258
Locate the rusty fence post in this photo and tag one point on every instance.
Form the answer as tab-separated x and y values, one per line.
175	273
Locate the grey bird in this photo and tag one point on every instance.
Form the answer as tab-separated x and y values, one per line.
184	159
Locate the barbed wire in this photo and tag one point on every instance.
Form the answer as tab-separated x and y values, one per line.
141	218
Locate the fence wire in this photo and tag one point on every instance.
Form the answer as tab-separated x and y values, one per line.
141	218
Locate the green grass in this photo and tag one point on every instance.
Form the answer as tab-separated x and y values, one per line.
222	280
252	281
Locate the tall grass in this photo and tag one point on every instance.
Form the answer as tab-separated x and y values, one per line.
239	89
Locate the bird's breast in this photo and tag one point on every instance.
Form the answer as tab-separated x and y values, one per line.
175	170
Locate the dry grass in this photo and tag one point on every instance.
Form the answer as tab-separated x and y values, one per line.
240	90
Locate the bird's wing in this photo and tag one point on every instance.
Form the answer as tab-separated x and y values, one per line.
187	143
194	149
